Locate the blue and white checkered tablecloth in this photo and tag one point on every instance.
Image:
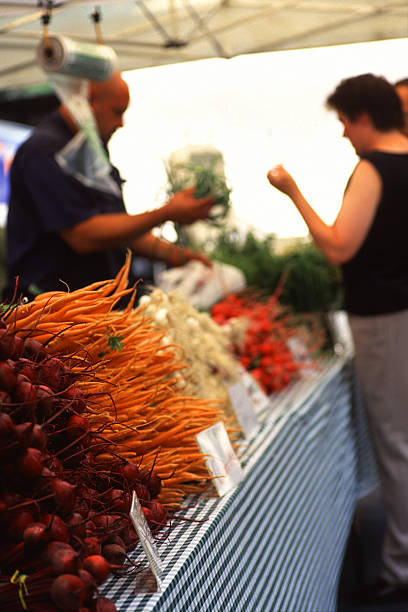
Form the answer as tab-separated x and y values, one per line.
276	541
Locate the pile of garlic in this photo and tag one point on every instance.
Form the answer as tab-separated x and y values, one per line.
203	345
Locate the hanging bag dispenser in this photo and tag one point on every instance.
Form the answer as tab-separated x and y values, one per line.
69	65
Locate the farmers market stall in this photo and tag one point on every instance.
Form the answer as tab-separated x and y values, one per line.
120	400
276	541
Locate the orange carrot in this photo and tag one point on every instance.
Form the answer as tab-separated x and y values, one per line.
133	386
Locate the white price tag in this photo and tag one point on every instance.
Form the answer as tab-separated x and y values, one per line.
221	459
146	540
243	407
258	397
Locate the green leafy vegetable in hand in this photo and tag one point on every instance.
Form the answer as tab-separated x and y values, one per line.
206	181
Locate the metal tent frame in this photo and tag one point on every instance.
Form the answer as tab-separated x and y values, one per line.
147	33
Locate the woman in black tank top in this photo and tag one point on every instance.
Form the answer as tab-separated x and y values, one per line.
368	239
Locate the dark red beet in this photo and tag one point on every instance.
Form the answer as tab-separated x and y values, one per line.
159	513
12	499
7	344
82	507
30	464
64	494
24	433
56	526
35	537
152	482
104	522
51	373
76	525
69	377
148	514
4	515
92	546
131	473
8	378
114	553
63	561
24	390
34	350
77	426
75	398
114	539
98	566
68	592
5	398
39	438
52	548
142	492
7	427
45	402
118	501
46	473
18	347
90	529
130	538
103	604
55	465
18	524
89	582
26	367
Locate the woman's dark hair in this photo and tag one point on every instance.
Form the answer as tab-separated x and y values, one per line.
401	82
369	94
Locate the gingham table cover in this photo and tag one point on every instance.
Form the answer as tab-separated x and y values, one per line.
276	541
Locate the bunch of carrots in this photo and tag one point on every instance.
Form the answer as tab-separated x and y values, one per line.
265	348
132	383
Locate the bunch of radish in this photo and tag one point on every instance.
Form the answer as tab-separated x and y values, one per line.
265	348
64	516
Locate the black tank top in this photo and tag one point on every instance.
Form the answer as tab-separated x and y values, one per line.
376	278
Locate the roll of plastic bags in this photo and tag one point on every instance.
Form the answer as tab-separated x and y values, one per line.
63	55
69	65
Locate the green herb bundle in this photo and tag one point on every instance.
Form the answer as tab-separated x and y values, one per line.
206	181
311	282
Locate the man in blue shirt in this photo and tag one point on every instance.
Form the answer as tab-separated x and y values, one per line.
62	231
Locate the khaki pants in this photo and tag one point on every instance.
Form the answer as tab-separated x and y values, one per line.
381	358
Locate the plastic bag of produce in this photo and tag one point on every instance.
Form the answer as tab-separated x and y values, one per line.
84	156
202	286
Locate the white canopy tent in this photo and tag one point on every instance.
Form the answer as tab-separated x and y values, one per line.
153	32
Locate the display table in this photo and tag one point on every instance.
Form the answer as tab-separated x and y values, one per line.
276	541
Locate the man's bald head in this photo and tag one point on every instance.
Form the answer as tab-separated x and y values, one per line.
104	89
109	100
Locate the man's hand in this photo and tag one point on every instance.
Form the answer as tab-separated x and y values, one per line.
191	255
184	208
282	180
178	256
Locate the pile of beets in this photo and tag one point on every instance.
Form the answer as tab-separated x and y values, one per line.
64	516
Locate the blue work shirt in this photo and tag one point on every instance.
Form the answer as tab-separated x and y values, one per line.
45	200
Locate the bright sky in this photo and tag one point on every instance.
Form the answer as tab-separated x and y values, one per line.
258	110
